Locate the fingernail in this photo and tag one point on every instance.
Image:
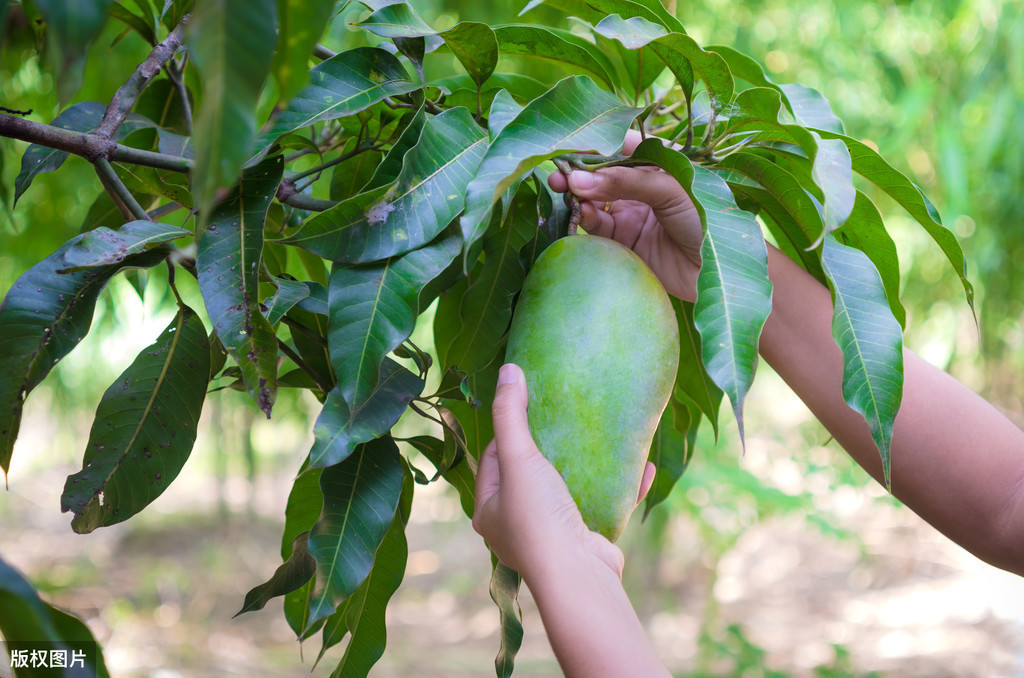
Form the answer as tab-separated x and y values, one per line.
582	180
508	374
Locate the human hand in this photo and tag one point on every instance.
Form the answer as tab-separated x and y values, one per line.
523	507
648	211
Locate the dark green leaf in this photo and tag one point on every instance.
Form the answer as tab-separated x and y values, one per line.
133	21
476	48
289	293
161	103
141	180
231	43
746	68
290	576
344	84
504	588
373	310
103	246
228	266
555	45
144	428
671	452
391	165
692	378
340	427
360	498
429	193
42	318
396	20
524	87
300	25
577	115
70	28
870	338
350	176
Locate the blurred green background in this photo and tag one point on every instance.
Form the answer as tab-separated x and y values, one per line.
788	561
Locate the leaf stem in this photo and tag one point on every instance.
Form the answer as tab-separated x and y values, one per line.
174	73
303	365
323	53
117	189
336	161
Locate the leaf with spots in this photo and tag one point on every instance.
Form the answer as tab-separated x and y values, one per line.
103	246
144	428
228	264
42	318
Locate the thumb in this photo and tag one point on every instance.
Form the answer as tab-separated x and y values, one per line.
650	186
511	427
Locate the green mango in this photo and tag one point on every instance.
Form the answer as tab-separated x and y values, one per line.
597	338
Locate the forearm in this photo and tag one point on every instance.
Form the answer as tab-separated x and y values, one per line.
956	460
590	622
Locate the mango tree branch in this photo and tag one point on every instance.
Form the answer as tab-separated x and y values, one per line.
128	93
117	189
287	194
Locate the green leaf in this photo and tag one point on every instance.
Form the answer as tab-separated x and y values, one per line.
71	27
872	167
746	68
429	193
133	21
397	20
300	25
671	451
161	103
811	108
231	43
104	247
228	266
350	176
305	503
692	378
555	45
451	467
42	318
289	293
144	428
26	618
360	498
84	116
652	10
373	310
340	427
760	110
141	180
475	46
504	589
504	110
871	340
346	83
832	172
290	576
577	115
486	307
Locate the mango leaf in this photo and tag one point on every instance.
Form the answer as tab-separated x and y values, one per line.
872	167
346	83
578	116
391	165
555	45
289	293
228	266
70	28
504	110
504	589
760	110
451	467
429	193
42	318
84	116
299	27
161	103
290	576
26	618
350	176
652	10
373	310
871	341
231	43
361	495
832	172
811	108
364	611
475	427
671	451
134	21
486	307
340	427
149	181
396	20
692	378
104	247
144	428
305	503
475	46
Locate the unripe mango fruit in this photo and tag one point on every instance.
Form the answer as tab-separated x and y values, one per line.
598	341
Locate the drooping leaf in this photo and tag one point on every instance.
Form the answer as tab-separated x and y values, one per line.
832	172
134	21
144	428
104	247
26	621
811	109
340	427
299	27
504	589
504	110
555	45
373	310
360	497
871	340
475	46
578	116
42	318
228	266
671	452
692	378
340	86
231	43
71	27
652	10
429	192
305	503
298	569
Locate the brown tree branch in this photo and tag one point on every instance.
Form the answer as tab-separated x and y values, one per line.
287	194
128	93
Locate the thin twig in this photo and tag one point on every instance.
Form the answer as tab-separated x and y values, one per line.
128	93
323	53
113	184
174	73
287	194
303	365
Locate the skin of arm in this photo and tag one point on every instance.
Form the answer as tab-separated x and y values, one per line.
956	460
524	511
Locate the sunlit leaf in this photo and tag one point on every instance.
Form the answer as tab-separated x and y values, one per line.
692	378
555	45
504	110
811	109
144	428
396	20
475	46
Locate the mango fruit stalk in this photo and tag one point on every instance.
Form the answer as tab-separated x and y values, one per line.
598	341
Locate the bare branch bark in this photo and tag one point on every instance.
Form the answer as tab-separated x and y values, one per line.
128	93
